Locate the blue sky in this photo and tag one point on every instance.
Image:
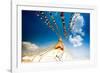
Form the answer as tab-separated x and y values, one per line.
36	31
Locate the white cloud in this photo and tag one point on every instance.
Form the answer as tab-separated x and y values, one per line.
76	41
77	23
29	46
80	53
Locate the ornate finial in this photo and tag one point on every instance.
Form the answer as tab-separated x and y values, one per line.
60	44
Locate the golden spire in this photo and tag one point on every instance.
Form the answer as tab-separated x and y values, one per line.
60	45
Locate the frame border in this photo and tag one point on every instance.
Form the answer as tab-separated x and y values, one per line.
12	70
